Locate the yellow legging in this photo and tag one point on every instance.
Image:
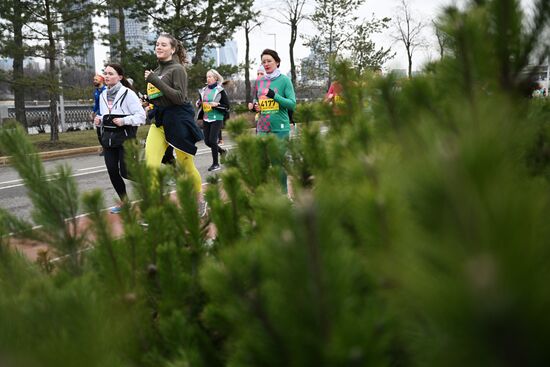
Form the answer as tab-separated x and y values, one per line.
155	147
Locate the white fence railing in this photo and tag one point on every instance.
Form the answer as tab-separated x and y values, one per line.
77	116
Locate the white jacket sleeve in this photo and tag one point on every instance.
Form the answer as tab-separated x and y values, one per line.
136	115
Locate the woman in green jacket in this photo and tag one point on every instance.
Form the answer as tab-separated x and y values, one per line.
275	97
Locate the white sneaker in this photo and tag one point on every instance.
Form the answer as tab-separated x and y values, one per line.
203	206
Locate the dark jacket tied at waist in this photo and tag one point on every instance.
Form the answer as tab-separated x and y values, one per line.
180	128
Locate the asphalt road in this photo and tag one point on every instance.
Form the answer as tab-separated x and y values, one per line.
89	172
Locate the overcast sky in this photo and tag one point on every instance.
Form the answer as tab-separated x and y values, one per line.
262	37
426	10
272	34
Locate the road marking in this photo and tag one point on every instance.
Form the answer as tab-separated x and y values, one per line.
49	178
87	169
10	181
83	215
88	173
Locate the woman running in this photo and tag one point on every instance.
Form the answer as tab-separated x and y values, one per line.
213	104
174	115
275	97
120	113
252	106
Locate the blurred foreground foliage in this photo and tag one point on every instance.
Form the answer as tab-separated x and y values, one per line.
416	236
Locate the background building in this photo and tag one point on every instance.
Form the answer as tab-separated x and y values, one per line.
6	64
137	35
224	55
85	59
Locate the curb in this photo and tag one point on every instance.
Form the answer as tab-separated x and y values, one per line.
4	161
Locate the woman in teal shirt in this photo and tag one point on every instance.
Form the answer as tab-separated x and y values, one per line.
275	97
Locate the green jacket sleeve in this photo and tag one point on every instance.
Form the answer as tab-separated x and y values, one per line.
289	99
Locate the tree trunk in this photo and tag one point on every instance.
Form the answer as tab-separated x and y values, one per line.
203	36
54	118
18	73
293	35
247	65
441	44
410	64
122	34
54	81
330	48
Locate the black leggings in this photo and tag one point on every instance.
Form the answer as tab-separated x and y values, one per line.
114	160
211	132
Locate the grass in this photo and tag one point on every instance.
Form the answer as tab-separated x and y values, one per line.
72	139
88	138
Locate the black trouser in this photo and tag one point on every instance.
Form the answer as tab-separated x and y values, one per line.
211	132
114	160
169	156
223	127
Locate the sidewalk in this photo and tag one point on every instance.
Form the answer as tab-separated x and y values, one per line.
54	154
33	249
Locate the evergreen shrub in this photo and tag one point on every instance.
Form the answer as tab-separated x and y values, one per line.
414	233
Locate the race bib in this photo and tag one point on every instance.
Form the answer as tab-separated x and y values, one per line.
338	99
153	92
268	106
206	107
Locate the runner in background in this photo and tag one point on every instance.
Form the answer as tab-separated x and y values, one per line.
334	94
252	106
213	104
226	114
99	87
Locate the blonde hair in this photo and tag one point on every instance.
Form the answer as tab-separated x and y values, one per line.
217	75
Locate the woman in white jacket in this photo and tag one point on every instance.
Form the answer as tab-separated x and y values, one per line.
120	113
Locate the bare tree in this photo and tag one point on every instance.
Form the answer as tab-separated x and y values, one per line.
251	21
291	14
409	31
442	39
